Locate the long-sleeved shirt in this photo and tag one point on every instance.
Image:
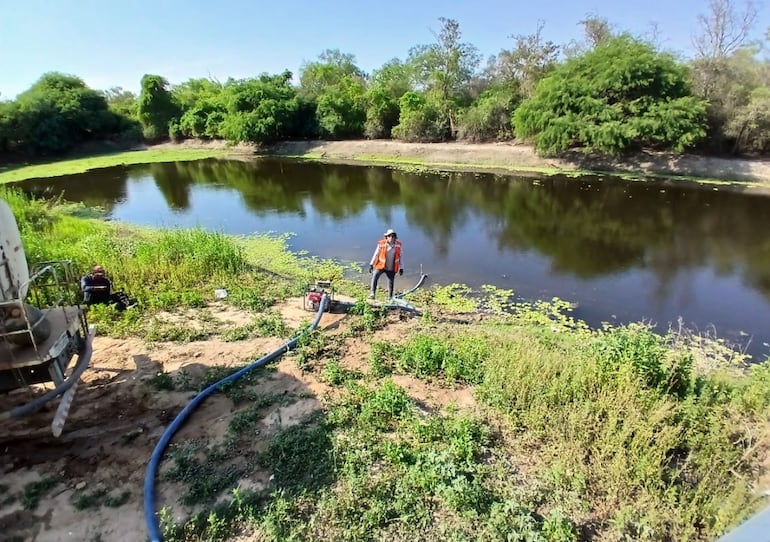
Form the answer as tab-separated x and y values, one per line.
96	289
390	256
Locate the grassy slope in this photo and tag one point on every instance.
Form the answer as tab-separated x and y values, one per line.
20	172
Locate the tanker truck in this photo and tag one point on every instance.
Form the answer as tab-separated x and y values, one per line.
43	328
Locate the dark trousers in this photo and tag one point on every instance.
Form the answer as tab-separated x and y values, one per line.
391	280
119	299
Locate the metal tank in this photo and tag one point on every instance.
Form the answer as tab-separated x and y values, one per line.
42	329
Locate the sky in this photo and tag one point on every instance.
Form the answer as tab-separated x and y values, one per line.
112	43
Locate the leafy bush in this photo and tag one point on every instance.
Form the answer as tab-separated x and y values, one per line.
420	120
489	117
341	109
622	95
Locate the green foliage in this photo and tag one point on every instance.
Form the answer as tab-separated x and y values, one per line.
647	356
670	446
300	459
387	86
156	107
204	105
260	110
382	113
459	359
381	408
453	297
445	68
489	118
383	358
162	381
88	499
34	491
270	324
368	317
341	110
331	68
58	112
310	348
124	105
728	80
754	394
621	96
335	374
749	126
525	65
206	471
419	119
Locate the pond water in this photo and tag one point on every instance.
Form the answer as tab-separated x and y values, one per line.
659	251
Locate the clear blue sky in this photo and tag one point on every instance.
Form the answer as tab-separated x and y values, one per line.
114	42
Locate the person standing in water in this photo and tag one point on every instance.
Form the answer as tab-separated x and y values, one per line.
386	260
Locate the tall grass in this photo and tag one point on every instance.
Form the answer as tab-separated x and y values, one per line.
663	451
168	268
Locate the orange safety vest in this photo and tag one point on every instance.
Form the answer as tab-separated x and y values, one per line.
382	248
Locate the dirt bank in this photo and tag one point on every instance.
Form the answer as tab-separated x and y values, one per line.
504	157
87	485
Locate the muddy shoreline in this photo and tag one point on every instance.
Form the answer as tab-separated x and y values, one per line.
508	157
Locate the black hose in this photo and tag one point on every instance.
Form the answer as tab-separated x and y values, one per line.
36	404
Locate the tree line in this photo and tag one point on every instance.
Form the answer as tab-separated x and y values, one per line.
612	92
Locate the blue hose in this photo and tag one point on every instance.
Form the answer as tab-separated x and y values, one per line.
152	467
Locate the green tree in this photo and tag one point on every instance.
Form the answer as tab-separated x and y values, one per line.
156	107
749	127
420	119
596	30
623	95
261	110
8	126
194	91
489	117
445	69
203	107
341	109
330	69
386	87
124	105
725	68
122	102
58	112
527	62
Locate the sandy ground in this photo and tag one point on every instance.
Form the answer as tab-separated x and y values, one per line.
505	157
117	418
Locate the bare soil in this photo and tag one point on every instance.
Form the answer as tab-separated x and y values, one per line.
505	157
118	416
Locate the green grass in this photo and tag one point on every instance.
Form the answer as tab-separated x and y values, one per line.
572	433
34	491
578	434
170	269
21	172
